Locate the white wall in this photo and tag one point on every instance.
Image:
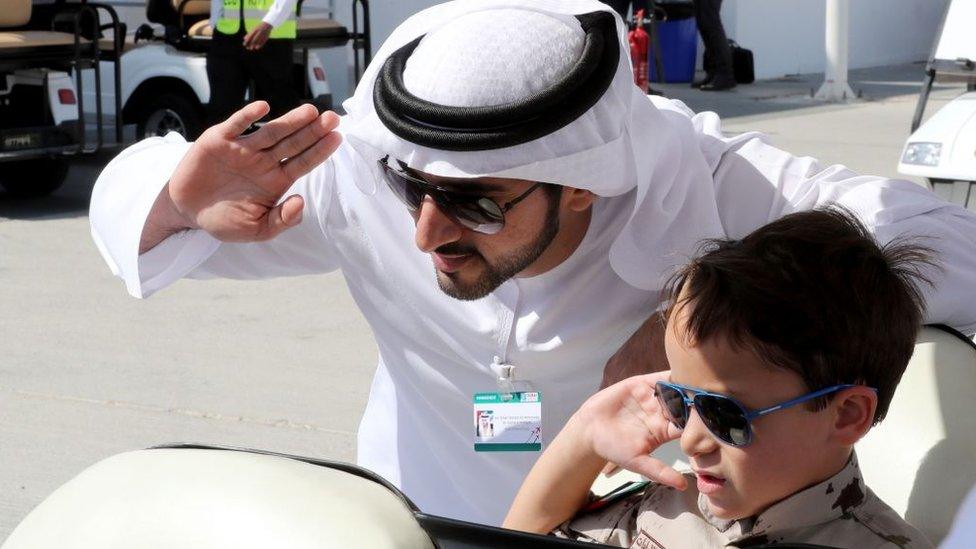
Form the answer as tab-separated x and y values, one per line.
787	36
385	15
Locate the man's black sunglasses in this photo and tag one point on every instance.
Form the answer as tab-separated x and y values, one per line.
478	213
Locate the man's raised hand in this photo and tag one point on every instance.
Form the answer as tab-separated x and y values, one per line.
230	184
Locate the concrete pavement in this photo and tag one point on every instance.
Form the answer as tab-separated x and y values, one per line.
284	365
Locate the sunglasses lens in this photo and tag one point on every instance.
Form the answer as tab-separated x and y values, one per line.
481	215
724	418
672	404
406	190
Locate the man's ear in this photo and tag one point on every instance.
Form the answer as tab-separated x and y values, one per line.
577	200
853	411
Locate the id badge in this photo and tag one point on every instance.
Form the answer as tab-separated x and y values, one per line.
508	422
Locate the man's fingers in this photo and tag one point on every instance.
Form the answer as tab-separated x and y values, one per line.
305	137
657	471
610	469
242	119
285	215
303	163
278	129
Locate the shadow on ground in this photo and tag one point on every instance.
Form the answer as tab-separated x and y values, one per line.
71	200
796	92
773	97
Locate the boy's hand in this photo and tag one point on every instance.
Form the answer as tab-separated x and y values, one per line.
624	424
621	423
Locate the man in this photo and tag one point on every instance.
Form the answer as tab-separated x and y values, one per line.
467	107
253	40
719	75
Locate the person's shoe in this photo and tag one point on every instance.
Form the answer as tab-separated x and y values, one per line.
699	83
719	85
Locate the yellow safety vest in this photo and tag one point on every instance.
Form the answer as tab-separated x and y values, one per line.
254	12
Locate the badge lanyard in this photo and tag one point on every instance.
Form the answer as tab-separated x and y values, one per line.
508	419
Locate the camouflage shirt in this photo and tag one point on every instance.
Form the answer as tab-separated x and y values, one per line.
839	512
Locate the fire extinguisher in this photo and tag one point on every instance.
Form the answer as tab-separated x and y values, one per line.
638	51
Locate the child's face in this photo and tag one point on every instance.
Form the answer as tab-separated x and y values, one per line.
791	449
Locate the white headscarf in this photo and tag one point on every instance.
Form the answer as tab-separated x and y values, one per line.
480	52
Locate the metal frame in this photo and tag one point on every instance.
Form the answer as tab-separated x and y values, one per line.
934	67
84	54
361	40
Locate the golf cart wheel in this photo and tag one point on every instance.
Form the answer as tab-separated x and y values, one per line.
32	178
169	112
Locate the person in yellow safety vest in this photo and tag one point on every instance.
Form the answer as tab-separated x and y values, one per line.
253	41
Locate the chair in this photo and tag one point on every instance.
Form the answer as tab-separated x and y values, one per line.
192	496
921	460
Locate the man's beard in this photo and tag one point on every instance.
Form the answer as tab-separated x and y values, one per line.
506	267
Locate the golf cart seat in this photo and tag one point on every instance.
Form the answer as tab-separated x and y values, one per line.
200	29
178	17
920	459
192	497
27	46
37	40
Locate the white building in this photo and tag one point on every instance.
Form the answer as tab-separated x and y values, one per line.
785	36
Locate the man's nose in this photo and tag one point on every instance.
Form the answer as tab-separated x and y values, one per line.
696	439
434	229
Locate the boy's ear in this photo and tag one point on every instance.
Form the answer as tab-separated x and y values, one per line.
853	413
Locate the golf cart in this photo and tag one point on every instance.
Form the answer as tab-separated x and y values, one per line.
193	496
943	150
48	54
164	71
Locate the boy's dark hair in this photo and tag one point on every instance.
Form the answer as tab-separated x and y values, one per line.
813	293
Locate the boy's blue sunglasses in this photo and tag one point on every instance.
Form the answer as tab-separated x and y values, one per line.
724	417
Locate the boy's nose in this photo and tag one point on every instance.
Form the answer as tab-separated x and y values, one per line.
696	439
434	229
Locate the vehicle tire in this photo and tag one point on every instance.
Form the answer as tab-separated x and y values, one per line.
32	178
169	112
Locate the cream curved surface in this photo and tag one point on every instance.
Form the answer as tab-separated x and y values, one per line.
921	460
194	498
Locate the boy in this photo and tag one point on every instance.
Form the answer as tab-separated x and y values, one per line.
785	348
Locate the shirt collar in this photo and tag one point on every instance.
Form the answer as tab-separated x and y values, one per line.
818	504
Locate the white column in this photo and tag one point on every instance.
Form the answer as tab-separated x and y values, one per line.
837	26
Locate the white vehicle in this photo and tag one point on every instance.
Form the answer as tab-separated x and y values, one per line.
164	78
46	55
943	150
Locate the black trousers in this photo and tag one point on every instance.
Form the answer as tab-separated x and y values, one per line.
621	7
709	19
230	68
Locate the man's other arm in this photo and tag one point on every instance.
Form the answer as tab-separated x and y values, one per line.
756	183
